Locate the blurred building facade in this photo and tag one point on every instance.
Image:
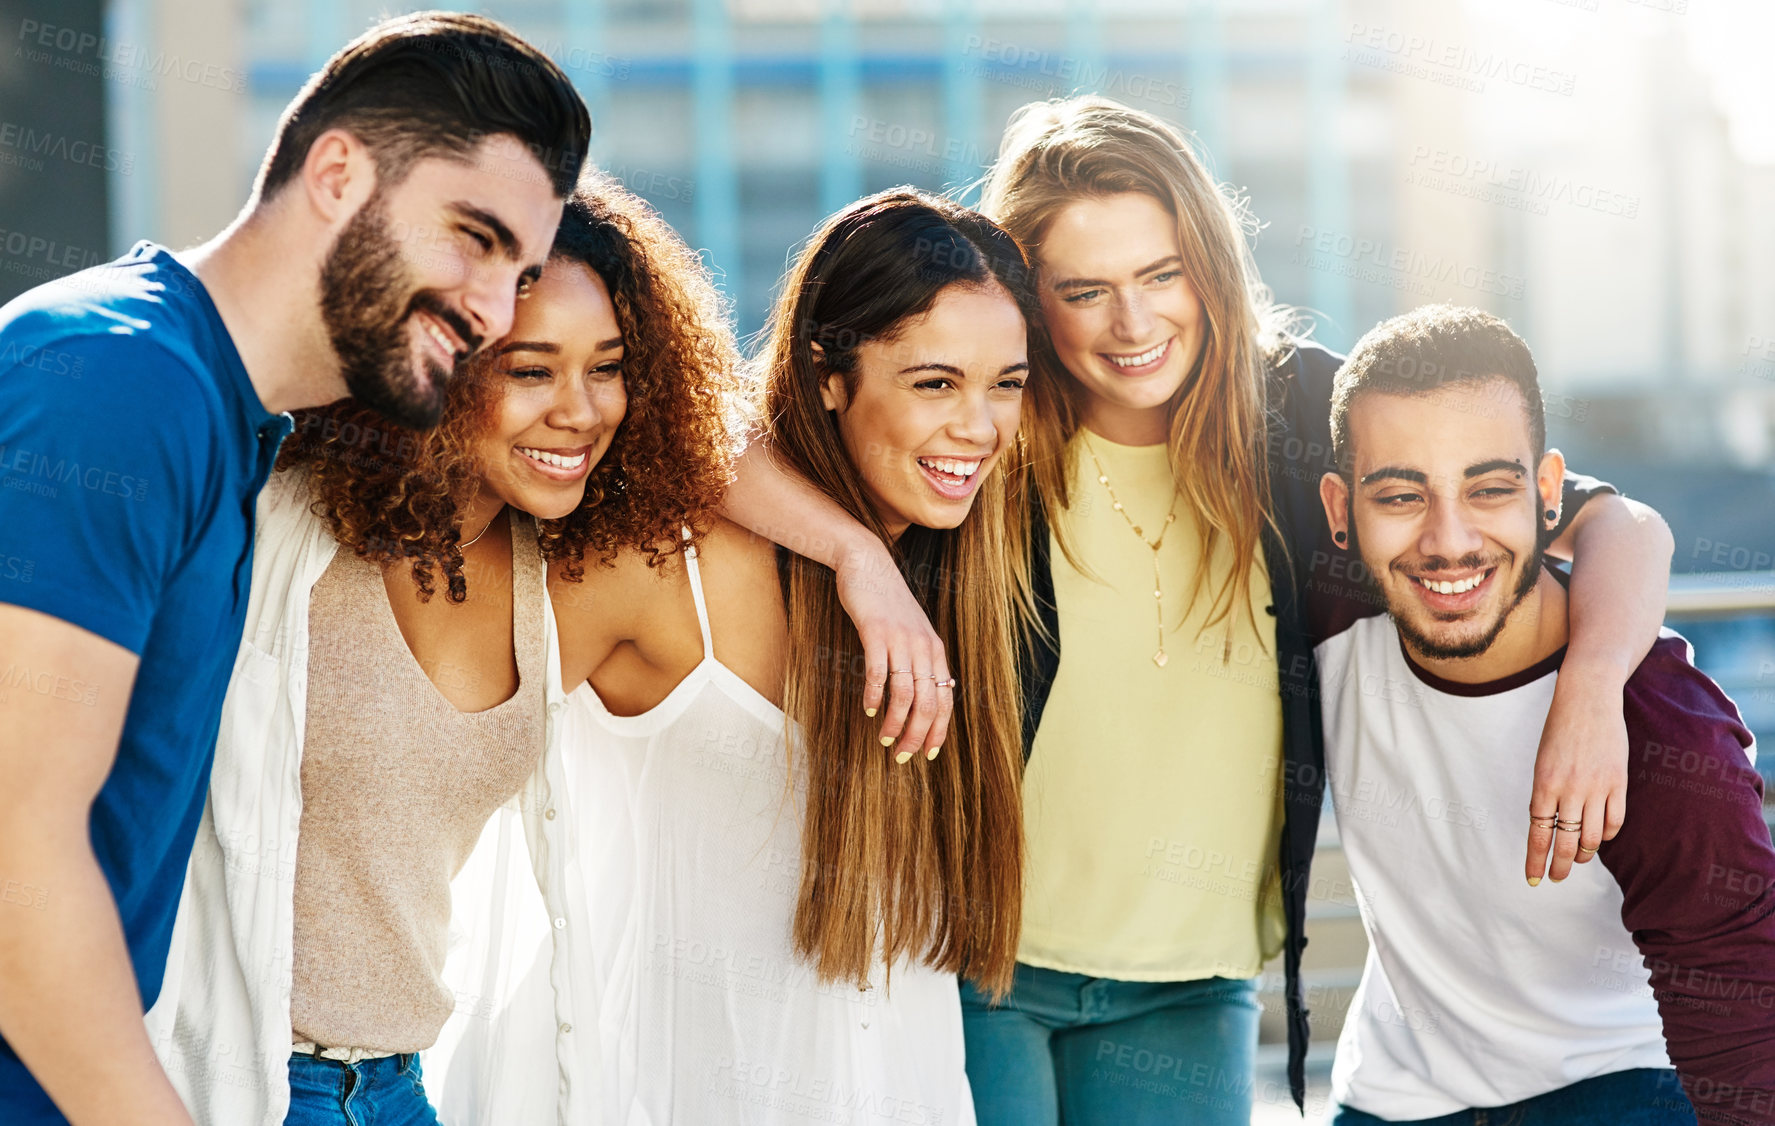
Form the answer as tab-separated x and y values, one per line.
1396	154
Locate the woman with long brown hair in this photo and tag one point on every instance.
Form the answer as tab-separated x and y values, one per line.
786	909
394	701
1179	568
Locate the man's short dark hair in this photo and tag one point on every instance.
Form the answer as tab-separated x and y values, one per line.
1432	347
435	84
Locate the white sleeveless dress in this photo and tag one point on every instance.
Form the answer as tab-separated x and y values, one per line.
690	849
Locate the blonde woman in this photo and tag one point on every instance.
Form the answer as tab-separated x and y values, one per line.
1175	770
784	907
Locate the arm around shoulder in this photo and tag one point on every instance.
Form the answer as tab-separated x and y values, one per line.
771	500
1620	552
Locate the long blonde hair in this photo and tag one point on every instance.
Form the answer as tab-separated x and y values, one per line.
922	860
1057	152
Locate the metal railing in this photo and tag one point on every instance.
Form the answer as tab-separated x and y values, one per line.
1721	594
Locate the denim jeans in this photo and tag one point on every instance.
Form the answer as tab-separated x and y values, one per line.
1639	1097
1091	1051
380	1092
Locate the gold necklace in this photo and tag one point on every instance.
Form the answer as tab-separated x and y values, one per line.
463	546
1159	657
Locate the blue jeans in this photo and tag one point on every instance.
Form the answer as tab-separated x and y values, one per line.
383	1092
1092	1051
1642	1096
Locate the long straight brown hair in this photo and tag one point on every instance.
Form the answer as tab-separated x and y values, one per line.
923	860
1057	152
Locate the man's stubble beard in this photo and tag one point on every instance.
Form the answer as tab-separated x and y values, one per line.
1440	651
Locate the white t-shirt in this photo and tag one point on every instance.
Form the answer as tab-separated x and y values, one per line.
1479	990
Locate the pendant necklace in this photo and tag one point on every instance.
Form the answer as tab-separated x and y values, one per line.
1159	657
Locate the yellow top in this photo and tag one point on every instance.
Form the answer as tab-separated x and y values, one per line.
1152	803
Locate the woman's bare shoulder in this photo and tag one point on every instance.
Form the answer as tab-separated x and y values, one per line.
618	587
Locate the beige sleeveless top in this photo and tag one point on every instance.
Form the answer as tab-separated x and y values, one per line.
397	785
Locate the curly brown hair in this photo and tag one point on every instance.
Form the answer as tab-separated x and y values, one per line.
390	493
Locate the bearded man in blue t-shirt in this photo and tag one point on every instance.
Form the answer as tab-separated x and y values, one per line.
412	189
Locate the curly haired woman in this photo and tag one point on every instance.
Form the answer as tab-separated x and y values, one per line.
393	703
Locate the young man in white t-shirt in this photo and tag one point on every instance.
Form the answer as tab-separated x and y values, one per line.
1486	999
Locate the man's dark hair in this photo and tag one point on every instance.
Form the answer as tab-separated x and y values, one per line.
1432	347
435	84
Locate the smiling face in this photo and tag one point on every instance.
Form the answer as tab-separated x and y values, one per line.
1123	318
564	394
1448	504
926	415
428	271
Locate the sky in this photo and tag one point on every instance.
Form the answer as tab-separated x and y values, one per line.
1729	41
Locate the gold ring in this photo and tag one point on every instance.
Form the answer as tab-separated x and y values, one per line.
1568	829
950	683
1571	826
1544	820
1591	851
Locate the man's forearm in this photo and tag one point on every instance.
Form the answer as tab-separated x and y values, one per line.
69	1002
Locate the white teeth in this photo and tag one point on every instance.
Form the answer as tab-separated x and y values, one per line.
952	466
555	460
1146	357
1461	587
437	334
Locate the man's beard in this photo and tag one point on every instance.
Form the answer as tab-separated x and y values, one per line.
364	287
1444	651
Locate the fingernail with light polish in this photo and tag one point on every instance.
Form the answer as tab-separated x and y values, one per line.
870	712
1534	881
932	753
887	740
903	757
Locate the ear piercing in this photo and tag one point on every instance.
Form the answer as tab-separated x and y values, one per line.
1339	537
1553	514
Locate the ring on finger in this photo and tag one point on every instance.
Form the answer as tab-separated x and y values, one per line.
1568	828
1543	820
950	683
1582	851
897	672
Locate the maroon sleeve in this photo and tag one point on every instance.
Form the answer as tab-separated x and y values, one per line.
1697	873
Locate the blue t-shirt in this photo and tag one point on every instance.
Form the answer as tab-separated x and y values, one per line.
132	447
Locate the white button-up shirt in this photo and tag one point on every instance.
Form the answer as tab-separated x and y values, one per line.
222	1021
